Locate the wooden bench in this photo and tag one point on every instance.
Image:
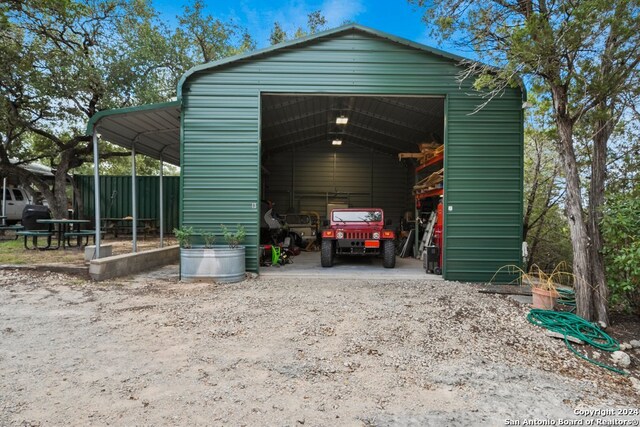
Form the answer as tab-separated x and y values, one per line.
79	235
14	228
34	234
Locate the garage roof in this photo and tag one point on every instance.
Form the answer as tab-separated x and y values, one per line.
389	124
155	128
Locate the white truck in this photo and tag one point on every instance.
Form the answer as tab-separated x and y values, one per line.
16	200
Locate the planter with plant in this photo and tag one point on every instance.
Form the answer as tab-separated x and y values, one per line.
544	286
209	262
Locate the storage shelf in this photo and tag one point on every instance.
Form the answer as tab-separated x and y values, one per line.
430	162
430	193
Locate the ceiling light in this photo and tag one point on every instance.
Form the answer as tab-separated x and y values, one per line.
336	142
342	120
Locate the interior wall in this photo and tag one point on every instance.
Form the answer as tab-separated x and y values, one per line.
305	178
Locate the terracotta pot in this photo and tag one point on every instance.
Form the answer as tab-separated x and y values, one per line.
543	299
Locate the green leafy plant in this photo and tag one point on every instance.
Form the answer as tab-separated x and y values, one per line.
208	237
622	249
233	239
184	236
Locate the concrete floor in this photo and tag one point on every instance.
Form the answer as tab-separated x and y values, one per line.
307	264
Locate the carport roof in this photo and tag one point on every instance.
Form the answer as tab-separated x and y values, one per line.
155	129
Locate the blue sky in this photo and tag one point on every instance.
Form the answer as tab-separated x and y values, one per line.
396	17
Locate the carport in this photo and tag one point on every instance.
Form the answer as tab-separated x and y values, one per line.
151	130
264	125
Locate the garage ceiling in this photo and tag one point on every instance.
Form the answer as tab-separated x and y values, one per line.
383	123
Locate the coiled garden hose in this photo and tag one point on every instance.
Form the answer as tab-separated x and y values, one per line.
567	297
568	324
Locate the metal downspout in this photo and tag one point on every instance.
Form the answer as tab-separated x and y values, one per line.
134	204
96	191
161	201
4	201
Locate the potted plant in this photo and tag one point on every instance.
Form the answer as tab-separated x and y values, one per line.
207	261
184	236
544	286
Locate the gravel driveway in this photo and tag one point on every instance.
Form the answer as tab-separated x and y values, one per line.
152	351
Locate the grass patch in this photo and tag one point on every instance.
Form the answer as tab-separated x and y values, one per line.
10	252
13	252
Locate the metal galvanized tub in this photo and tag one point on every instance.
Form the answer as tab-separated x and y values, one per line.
220	264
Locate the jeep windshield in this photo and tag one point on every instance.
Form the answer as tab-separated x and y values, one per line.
357	216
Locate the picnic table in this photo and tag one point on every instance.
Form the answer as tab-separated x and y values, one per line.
61	229
4	228
122	225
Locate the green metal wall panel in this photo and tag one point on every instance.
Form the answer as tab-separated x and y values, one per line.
483	190
483	180
116	201
304	180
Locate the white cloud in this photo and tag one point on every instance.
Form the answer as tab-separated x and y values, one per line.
338	11
293	15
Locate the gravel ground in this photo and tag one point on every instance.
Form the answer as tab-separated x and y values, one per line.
149	350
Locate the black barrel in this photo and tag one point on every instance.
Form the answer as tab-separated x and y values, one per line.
32	213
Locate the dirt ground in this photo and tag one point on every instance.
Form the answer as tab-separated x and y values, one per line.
149	350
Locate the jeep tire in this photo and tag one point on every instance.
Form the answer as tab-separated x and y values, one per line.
326	253
389	254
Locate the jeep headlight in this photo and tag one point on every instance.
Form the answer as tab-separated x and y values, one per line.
376	235
339	235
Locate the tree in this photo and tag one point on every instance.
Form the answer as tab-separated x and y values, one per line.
207	38
315	22
278	35
547	246
586	55
62	61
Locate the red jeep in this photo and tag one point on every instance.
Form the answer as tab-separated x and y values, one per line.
357	232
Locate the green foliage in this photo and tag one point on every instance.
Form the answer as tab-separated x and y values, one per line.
315	22
233	239
621	232
208	237
184	236
206	38
545	226
278	35
62	61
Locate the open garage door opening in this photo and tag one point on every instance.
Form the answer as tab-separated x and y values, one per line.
325	152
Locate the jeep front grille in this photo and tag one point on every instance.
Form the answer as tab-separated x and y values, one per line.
357	235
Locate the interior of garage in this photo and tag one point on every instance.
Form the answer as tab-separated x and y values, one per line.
325	151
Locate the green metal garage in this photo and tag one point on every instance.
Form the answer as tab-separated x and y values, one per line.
260	126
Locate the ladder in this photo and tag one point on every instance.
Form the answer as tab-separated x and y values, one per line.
428	234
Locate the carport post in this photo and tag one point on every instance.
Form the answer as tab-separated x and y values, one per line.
96	191
4	201
134	204
161	201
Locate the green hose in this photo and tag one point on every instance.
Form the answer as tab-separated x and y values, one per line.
275	255
567	298
568	324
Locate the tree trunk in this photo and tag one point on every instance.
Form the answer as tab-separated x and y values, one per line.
596	203
60	205
79	203
577	225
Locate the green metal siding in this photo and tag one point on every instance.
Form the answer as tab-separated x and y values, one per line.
303	180
483	192
221	132
115	197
